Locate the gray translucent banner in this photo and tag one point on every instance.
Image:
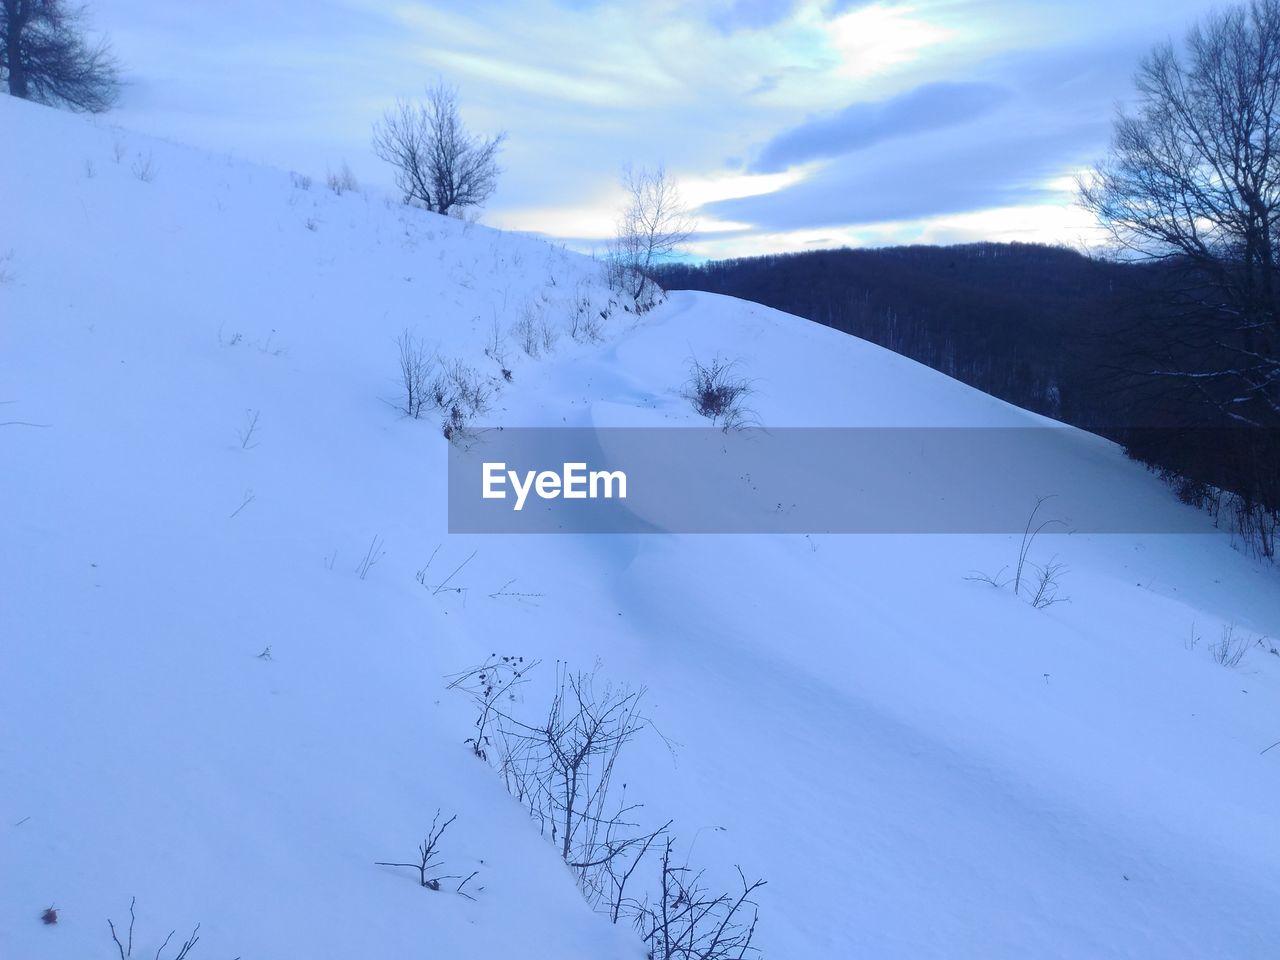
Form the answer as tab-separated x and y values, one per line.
804	480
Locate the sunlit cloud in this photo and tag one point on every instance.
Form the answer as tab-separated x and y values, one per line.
786	122
699	190
871	39
595	221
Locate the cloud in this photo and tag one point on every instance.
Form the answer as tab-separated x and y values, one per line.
1003	96
939	175
751	14
860	125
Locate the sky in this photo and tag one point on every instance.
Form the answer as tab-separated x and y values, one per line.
788	124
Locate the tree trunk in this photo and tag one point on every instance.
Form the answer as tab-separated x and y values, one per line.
16	15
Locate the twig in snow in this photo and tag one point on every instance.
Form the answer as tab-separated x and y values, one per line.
19	423
977	576
512	594
248	499
124	954
464	883
125	947
371	557
457	570
246	432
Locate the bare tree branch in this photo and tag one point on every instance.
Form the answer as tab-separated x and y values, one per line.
438	163
45	57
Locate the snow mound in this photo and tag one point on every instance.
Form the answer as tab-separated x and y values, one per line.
210	707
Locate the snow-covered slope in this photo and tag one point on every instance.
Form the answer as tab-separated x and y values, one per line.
919	765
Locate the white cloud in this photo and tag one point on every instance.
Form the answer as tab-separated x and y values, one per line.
584	87
871	39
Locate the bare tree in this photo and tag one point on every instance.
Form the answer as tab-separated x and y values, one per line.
653	225
1193	179
438	162
45	57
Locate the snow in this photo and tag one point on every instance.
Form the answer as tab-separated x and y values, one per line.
919	764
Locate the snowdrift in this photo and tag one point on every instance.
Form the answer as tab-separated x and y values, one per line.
224	674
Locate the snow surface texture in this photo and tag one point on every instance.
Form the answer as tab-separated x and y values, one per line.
919	764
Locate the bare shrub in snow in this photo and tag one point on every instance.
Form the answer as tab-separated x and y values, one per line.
463	394
496	350
437	162
456	425
417	368
717	393
1041	581
489	684
125	946
268	346
6	274
689	922
574	750
1029	534
535	334
584	321
1230	649
300	180
1192	640
144	167
525	331
461	385
342	180
1045	585
1258	526
428	863
548	336
561	769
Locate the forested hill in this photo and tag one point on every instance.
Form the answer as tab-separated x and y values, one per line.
1020	321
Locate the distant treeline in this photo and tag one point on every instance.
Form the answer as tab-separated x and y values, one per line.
1046	328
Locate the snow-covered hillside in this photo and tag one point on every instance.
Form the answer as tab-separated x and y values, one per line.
207	707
